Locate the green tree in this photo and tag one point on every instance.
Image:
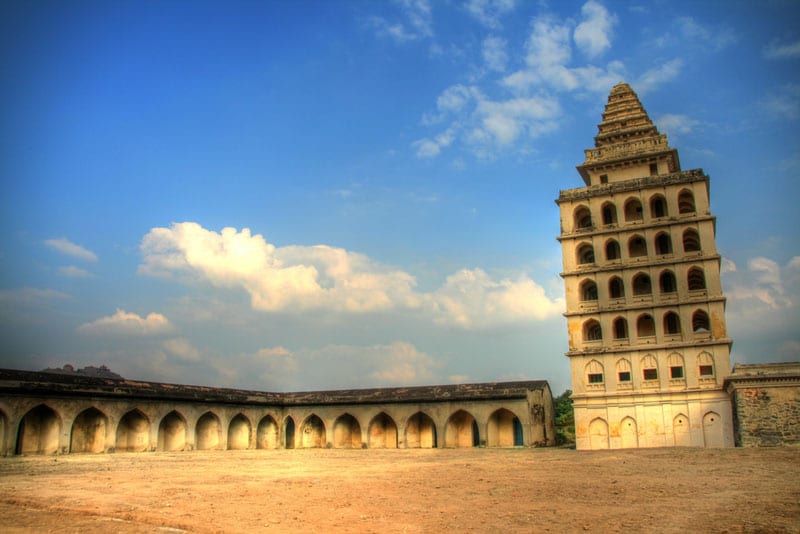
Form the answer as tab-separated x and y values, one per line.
565	418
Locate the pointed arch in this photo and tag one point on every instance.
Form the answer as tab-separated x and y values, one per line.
696	279
624	371
382	432
208	432
645	325
628	433
588	290
712	430
676	366
672	323
583	218
239	430
667	282
504	429
705	364
133	432
612	250
616	288
681	431
598	434
637	247
89	431
592	331
620	328
633	210
346	432
686	202
288	433
609	213
642	285
421	432
585	254
658	206
594	373
313	432
691	240
39	431
459	431
700	322
649	368
267	433
663	244
172	432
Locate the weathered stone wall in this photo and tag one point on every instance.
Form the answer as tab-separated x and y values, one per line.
45	414
766	404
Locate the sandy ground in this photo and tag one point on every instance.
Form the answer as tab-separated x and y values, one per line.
474	490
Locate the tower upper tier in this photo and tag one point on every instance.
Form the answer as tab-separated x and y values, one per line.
627	144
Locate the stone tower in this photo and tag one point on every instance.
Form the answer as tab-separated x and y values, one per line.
648	347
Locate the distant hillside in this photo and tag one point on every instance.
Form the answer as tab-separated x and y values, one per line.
89	370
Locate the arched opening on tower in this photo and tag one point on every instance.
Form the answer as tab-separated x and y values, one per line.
460	430
645	326
504	429
208	432
633	210
133	432
663	244
39	431
585	254
267	433
691	241
588	290
672	323
642	285
696	279
583	218
700	322
598	434
612	250
616	288
346	432
382	432
667	282
609	212
313	432
89	432
686	202
172	432
595	376
239	433
592	330
421	432
637	247
658	207
620	328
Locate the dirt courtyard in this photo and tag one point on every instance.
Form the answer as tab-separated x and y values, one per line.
472	490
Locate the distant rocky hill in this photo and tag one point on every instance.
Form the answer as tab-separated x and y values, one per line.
89	370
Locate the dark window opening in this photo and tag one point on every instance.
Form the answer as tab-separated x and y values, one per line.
686	202
653	169
616	289
609	214
595	378
672	323
676	372
624	376
696	279
658	207
637	247
663	244
603	178
586	255
641	285
593	332
706	370
650	374
620	329
589	291
612	250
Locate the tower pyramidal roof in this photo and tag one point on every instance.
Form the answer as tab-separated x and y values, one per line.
626	137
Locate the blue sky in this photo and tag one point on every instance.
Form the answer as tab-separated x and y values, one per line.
303	195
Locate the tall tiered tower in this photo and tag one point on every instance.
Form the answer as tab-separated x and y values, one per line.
648	348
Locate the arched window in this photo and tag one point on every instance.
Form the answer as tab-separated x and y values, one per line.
585	254
663	244
612	250
705	362
620	328
609	211
633	210
667	282
637	247
691	240
675	362
583	217
700	322
616	289
658	207
588	290
594	372
696	279
686	202
624	371
592	331
672	323
649	368
641	285
645	326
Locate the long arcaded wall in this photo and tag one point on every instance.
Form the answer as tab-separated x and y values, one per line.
47	414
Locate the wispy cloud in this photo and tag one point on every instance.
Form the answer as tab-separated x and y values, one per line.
783	103
299	278
413	22
30	295
128	324
675	125
494	53
65	246
778	50
593	35
71	271
489	12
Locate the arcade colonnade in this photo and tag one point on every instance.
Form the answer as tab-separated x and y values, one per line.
48	414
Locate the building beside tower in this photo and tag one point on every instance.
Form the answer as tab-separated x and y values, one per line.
648	348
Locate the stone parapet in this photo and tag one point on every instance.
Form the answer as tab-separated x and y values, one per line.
582	193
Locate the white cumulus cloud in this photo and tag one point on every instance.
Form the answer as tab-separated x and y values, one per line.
593	35
129	324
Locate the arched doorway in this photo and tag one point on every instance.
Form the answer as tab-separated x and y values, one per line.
461	430
382	432
239	433
208	432
504	429
172	432
133	432
598	434
313	432
346	432
680	430
288	433
712	430
267	433
89	432
38	431
628	433
421	432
